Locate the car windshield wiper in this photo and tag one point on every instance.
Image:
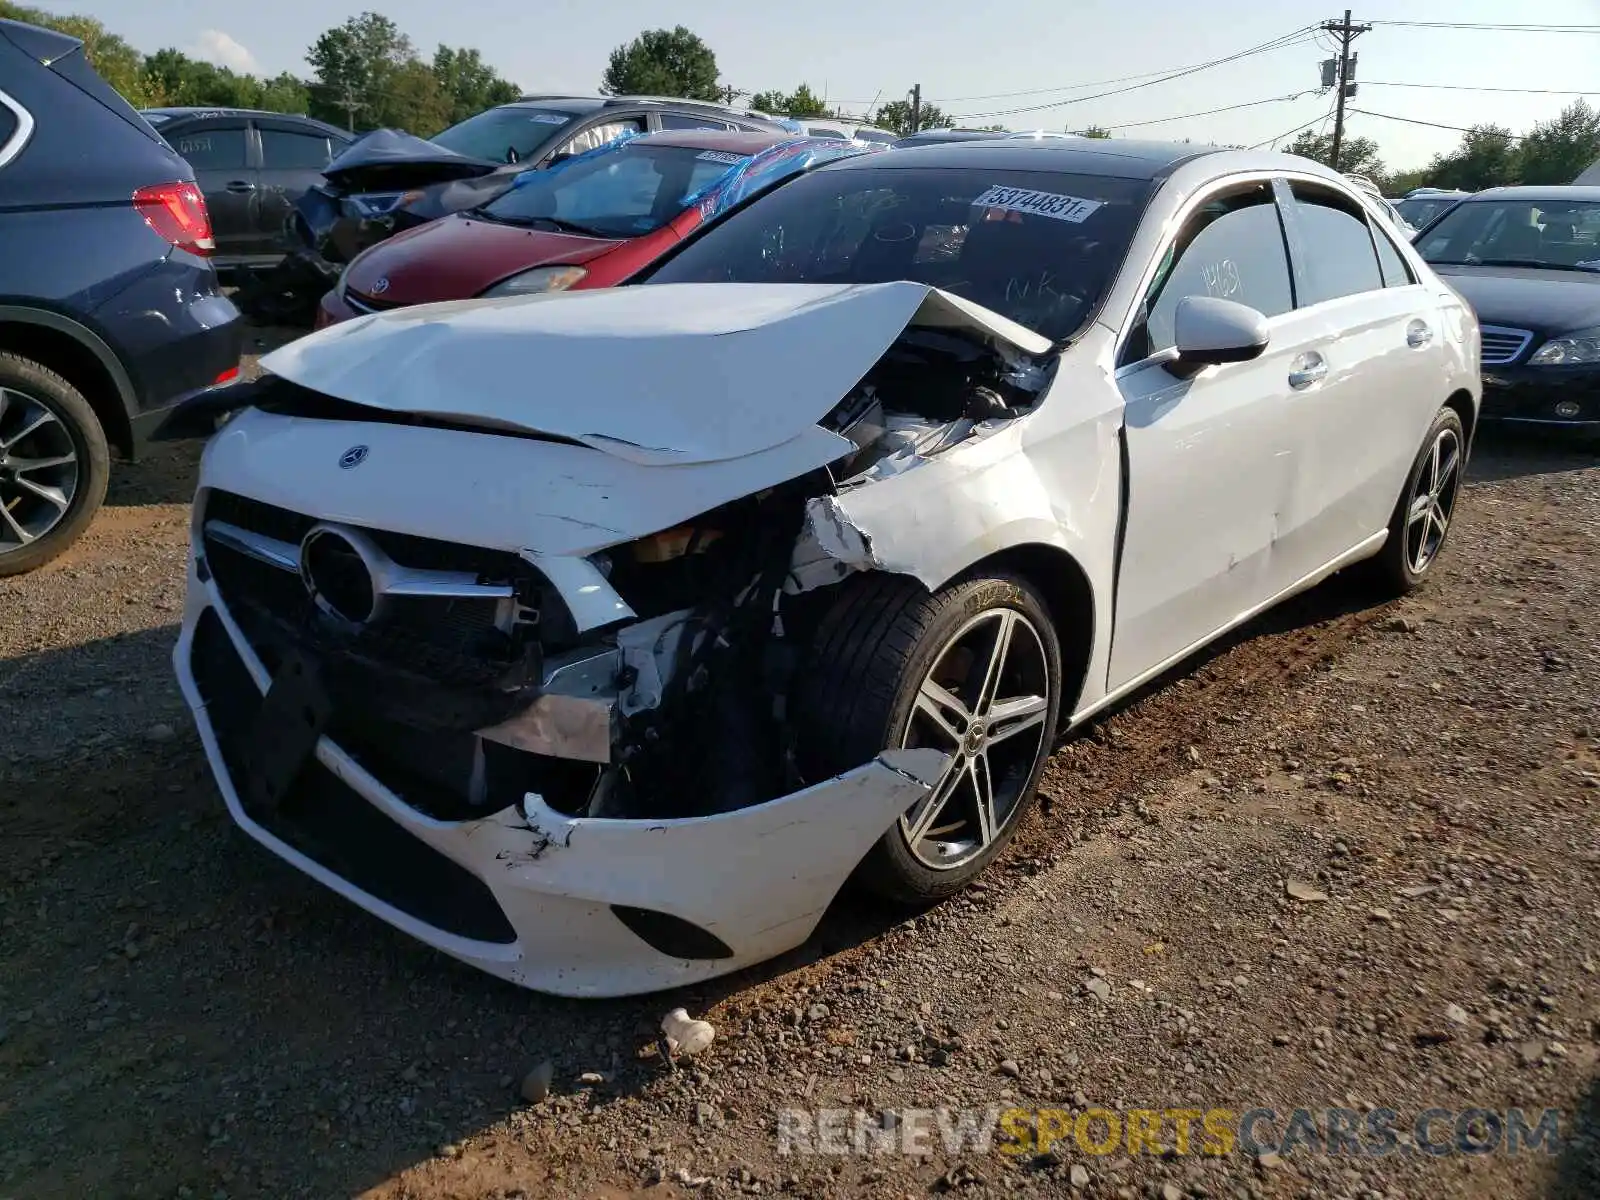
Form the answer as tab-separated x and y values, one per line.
1522	262
555	224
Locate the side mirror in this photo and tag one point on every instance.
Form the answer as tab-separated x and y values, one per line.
1207	330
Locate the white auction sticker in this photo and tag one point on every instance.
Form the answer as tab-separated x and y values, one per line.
1043	204
721	156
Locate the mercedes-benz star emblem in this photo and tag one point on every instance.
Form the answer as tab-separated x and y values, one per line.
354	457
380	285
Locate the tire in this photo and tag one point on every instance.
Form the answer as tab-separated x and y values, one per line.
1405	561
862	691
35	528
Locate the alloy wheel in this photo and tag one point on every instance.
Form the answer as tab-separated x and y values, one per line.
984	702
1433	501
39	469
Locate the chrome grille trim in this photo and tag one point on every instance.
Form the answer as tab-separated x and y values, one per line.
1502	345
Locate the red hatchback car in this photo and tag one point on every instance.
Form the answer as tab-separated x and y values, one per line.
589	222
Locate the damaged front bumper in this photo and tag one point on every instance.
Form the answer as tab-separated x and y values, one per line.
577	906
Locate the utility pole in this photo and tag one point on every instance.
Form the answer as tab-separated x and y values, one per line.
916	107
349	104
1346	33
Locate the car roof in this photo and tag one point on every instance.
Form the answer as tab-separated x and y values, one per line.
183	112
733	141
1123	158
1553	193
588	104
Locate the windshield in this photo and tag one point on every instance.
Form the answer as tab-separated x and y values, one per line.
630	191
1517	233
493	133
1040	248
1419	212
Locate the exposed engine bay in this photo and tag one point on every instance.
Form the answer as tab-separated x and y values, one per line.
476	684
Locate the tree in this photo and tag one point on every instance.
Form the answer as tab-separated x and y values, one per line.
1559	150
1357	156
802	103
663	62
357	65
1095	131
1486	158
470	84
286	94
118	63
896	115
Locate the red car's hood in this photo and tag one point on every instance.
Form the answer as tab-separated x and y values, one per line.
457	257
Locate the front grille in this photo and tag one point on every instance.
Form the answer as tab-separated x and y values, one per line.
332	824
363	303
452	639
1502	346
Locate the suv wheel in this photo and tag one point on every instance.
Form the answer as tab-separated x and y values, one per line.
54	464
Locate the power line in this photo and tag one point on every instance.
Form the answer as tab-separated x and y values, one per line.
1291	39
1208	112
1430	124
1468	87
1491	27
1291	132
1068	87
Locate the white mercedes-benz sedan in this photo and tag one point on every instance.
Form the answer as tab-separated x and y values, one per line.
598	638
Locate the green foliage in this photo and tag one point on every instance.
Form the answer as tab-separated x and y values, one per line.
1487	157
896	115
663	62
470	84
367	74
171	77
1094	131
1559	150
118	63
1357	156
800	103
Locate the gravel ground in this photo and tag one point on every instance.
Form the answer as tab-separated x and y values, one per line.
1347	860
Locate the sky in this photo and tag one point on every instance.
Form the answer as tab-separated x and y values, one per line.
965	55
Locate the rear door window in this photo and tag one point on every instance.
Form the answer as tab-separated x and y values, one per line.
596	136
213	148
684	121
1395	271
1334	254
285	150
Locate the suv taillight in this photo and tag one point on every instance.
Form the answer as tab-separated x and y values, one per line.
177	211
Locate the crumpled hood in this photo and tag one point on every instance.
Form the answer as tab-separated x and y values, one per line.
660	374
395	158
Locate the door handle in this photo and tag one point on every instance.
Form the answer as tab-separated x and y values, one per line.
1310	369
1418	334
241	185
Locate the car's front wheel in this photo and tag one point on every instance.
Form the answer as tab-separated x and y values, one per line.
973	670
54	464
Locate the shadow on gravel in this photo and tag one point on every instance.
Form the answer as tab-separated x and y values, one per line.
165	473
1512	454
1577	1173
67	704
263	1036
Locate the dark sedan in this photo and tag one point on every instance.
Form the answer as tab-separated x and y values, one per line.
252	166
1528	261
